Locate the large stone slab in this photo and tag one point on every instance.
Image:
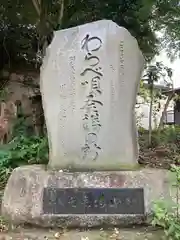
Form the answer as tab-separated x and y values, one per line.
89	82
23	196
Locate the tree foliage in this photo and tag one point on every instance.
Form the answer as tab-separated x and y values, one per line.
167	19
155	72
26	25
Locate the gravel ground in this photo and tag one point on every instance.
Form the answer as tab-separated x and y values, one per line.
116	234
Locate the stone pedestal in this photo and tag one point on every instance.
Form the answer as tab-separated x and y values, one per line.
23	196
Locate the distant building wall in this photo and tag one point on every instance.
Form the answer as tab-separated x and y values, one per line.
142	112
177	112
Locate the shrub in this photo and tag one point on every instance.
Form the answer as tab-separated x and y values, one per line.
167	215
170	134
22	151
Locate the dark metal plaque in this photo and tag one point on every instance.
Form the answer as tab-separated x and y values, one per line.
93	201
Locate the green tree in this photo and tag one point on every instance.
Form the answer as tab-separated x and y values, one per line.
153	74
30	23
166	19
26	27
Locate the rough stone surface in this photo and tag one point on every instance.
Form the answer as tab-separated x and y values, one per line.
89	82
22	201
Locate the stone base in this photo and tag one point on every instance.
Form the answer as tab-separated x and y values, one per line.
22	201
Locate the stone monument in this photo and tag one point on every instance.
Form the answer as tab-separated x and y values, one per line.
89	82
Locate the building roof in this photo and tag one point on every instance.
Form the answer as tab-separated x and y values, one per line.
174	90
159	86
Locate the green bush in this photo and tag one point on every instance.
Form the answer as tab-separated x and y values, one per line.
22	151
170	134
166	215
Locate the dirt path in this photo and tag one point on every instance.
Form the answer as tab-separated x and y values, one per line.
116	234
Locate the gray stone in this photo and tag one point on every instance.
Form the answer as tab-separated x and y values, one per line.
89	82
22	201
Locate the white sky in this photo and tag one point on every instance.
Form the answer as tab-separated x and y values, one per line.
174	65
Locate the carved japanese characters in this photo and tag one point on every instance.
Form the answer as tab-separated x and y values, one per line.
89	82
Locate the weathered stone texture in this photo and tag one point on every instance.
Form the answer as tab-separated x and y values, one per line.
89	82
22	202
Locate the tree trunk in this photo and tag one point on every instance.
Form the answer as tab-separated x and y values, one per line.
38	115
164	111
61	13
44	32
150	114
